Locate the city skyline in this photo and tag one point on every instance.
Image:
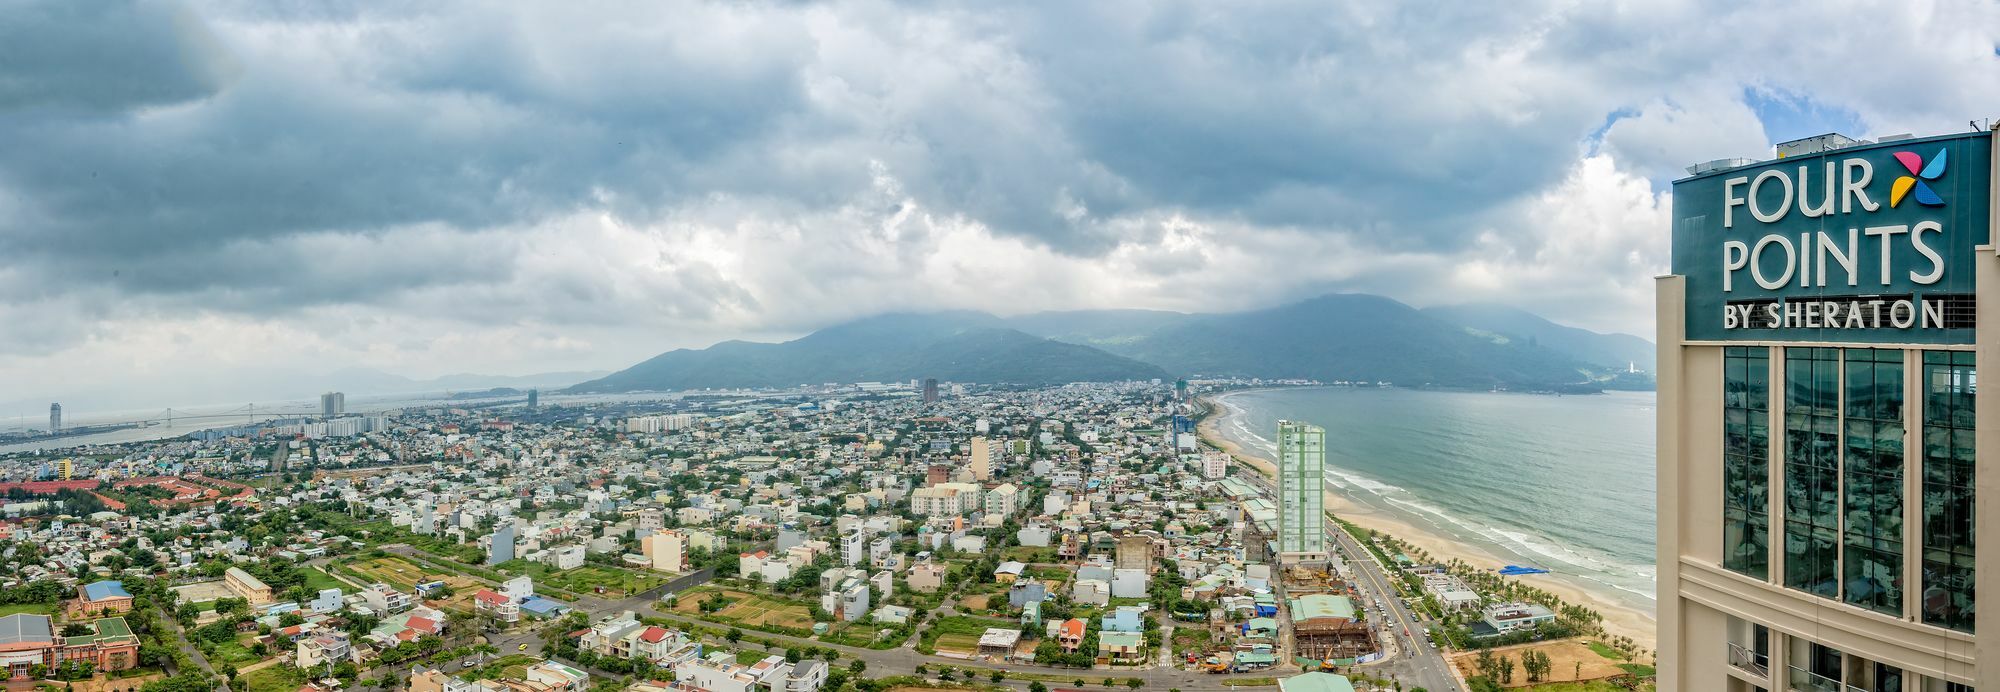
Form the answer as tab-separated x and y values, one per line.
470	189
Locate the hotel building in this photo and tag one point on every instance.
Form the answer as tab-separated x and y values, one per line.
1301	499
1820	421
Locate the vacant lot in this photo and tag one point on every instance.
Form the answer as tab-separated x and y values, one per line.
404	575
617	582
747	609
1563	658
206	591
961	634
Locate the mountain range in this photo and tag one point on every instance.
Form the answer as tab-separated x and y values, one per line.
1348	336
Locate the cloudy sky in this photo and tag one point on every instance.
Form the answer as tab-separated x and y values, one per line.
200	199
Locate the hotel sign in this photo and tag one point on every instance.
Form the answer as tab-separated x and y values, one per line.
1868	244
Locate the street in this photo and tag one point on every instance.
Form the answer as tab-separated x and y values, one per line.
1418	663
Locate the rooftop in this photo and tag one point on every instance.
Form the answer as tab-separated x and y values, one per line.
26	628
99	591
1315	682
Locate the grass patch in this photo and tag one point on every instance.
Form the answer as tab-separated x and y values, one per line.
1602	650
586	579
1640	670
1250	682
233	652
318	580
961	633
755	611
744	658
271	679
29	608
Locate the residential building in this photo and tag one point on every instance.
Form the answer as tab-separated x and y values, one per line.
500	545
1301	510
1003	500
665	551
564	557
927	577
325	647
982	459
498	607
945	500
385	599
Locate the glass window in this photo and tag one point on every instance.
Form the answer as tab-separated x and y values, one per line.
1872	472
1950	383
1812	470
1746	460
1815	667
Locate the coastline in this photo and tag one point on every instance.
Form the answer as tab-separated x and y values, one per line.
1619	619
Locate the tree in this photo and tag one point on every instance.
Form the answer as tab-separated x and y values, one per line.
858	665
1134	683
1037	687
1506	670
734	635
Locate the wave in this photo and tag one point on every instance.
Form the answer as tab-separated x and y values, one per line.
1582	566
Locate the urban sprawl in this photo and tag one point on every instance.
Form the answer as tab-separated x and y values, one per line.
866	537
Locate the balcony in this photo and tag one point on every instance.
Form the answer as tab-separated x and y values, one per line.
1747	660
1806	681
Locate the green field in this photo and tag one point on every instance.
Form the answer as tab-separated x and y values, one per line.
233	652
587	578
961	633
318	580
30	608
272	679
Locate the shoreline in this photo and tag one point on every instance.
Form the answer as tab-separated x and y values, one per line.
1619	619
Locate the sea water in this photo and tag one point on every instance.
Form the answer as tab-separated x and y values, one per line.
1560	482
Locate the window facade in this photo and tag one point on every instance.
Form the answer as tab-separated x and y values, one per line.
1950	382
1746	460
1872	480
1812	470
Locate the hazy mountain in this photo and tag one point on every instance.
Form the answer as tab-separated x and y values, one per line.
370	381
1333	337
1611	351
956	346
1349	337
1096	327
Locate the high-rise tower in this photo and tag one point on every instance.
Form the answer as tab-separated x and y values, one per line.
1301	498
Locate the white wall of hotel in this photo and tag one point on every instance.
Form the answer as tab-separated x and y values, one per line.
1698	597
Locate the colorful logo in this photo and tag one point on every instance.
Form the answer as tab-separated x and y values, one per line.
1919	172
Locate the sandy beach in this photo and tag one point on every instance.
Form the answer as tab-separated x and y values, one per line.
1619	619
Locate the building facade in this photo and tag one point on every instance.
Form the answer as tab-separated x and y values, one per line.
1820	421
1301	499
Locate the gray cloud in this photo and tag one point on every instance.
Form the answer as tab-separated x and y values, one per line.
107	55
646	171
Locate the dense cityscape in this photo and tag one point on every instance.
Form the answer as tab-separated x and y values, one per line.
835	537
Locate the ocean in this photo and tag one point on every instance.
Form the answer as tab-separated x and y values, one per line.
1565	483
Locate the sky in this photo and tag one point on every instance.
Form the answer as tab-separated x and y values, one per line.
223	198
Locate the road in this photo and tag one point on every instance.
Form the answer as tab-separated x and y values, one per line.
1415	661
166	619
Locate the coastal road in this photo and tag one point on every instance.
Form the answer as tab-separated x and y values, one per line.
1418	663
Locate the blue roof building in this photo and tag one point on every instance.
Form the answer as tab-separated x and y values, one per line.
99	591
543	608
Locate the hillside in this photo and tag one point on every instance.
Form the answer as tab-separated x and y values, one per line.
1613	351
1334	337
961	347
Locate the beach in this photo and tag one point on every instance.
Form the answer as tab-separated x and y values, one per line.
1620	618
